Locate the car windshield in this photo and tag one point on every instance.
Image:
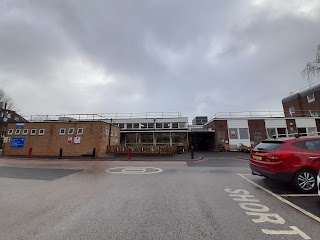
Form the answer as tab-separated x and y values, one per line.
269	145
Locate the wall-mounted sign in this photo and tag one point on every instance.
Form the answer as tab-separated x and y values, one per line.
69	140
199	130
19	125
17	143
77	140
6	140
233	133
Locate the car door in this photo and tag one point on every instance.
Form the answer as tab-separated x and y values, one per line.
311	151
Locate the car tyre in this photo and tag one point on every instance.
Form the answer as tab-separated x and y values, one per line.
305	181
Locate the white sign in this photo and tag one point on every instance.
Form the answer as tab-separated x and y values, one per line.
6	140
77	140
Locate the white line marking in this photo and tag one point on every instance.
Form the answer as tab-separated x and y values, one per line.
299	195
133	170
246	174
283	200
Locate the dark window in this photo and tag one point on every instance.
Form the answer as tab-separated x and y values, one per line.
163	137
150	125
282	132
269	145
121	125
144	125
131	138
158	125
129	125
175	125
166	125
302	131
300	144
136	125
178	137
146	138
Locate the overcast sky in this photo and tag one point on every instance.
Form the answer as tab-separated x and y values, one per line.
195	57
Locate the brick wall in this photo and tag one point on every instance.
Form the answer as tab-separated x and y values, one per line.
257	130
221	133
94	136
302	104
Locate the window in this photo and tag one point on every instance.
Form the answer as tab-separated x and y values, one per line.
292	110
80	131
302	131
71	131
166	125
10	131
41	131
121	125
111	133
282	132
62	131
163	138
136	125
144	125
178	137
146	138
233	133
150	125
158	125
132	138
25	131
269	145
312	131
313	145
244	133
107	132
175	125
311	98
33	132
182	125
115	133
129	125
17	132
116	140
271	132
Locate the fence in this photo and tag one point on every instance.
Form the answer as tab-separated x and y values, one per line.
146	150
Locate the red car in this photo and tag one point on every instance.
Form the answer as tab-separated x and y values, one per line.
294	160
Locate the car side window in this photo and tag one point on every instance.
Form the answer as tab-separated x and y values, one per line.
313	145
300	145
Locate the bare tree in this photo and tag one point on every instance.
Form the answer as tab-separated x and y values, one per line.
313	68
6	99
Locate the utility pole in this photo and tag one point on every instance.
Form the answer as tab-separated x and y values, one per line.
110	130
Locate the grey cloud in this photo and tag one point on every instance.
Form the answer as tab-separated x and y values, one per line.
116	56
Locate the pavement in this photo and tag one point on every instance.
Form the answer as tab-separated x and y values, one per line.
215	197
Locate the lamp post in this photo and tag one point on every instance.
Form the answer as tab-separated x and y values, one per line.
110	130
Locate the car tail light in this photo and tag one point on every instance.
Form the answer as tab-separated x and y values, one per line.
277	157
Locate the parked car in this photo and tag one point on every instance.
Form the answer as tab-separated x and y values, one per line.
319	183
294	160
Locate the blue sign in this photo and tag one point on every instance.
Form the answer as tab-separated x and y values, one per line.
19	125
17	142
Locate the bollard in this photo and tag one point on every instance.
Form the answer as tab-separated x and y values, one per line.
94	153
30	152
192	149
60	153
129	153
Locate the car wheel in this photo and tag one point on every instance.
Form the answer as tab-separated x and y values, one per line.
305	181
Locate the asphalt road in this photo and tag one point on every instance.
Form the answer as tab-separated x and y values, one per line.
146	200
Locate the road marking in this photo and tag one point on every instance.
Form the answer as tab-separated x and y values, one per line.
134	170
263	213
309	214
299	195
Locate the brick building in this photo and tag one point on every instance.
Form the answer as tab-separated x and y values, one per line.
231	131
303	103
47	138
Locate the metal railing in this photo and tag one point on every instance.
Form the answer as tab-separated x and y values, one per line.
100	116
148	150
305	88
